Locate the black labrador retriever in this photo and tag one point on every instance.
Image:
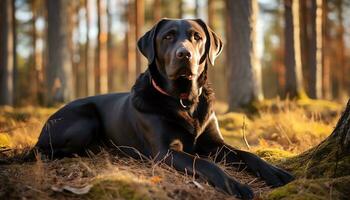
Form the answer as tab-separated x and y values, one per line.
167	116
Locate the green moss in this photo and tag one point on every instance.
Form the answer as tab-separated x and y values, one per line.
274	155
312	189
232	121
120	187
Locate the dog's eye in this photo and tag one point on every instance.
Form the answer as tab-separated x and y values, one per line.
197	37
168	37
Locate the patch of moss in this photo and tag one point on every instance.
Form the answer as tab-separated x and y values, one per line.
274	155
232	121
120	187
312	189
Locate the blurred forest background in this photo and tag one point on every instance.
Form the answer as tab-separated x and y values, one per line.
287	59
55	51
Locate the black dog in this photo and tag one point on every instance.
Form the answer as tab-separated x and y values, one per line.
167	116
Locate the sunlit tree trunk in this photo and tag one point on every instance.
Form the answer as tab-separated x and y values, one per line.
131	45
180	9
157	14
294	77
110	68
196	9
245	69
101	76
33	75
341	64
16	86
89	53
140	15
59	80
327	87
6	53
319	47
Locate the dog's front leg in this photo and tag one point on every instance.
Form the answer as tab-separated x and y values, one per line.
273	175
211	143
208	170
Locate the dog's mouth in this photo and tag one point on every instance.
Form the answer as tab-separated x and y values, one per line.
183	85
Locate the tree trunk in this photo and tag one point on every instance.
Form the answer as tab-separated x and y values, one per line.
196	9
327	87
140	15
180	13
33	75
101	74
131	45
319	47
157	14
331	158
89	53
341	63
59	67
6	53
294	77
245	77
110	68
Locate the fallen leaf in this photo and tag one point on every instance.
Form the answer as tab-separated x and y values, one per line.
155	179
74	190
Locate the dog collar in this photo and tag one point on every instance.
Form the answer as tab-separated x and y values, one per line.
159	89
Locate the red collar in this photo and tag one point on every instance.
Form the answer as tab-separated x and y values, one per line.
159	89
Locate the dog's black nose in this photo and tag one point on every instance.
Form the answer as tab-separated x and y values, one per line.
183	53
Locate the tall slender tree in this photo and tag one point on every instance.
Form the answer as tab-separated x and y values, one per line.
326	46
131	44
59	79
6	53
319	46
293	75
157	14
341	59
89	53
140	15
101	74
245	70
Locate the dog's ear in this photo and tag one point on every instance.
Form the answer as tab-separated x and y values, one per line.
214	44
146	44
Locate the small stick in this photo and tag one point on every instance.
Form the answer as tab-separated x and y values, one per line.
244	135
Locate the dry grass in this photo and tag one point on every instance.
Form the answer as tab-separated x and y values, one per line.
286	126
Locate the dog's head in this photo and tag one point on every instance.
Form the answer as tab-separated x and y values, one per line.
178	52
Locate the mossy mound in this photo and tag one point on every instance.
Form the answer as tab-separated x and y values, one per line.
323	188
123	187
274	155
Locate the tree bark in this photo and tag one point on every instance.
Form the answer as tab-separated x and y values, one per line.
245	70
6	53
327	78
89	53
59	67
341	63
140	15
101	74
157	14
294	76
131	45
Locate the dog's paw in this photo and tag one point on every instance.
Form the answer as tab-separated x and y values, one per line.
273	175
239	190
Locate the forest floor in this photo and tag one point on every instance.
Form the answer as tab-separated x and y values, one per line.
281	130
